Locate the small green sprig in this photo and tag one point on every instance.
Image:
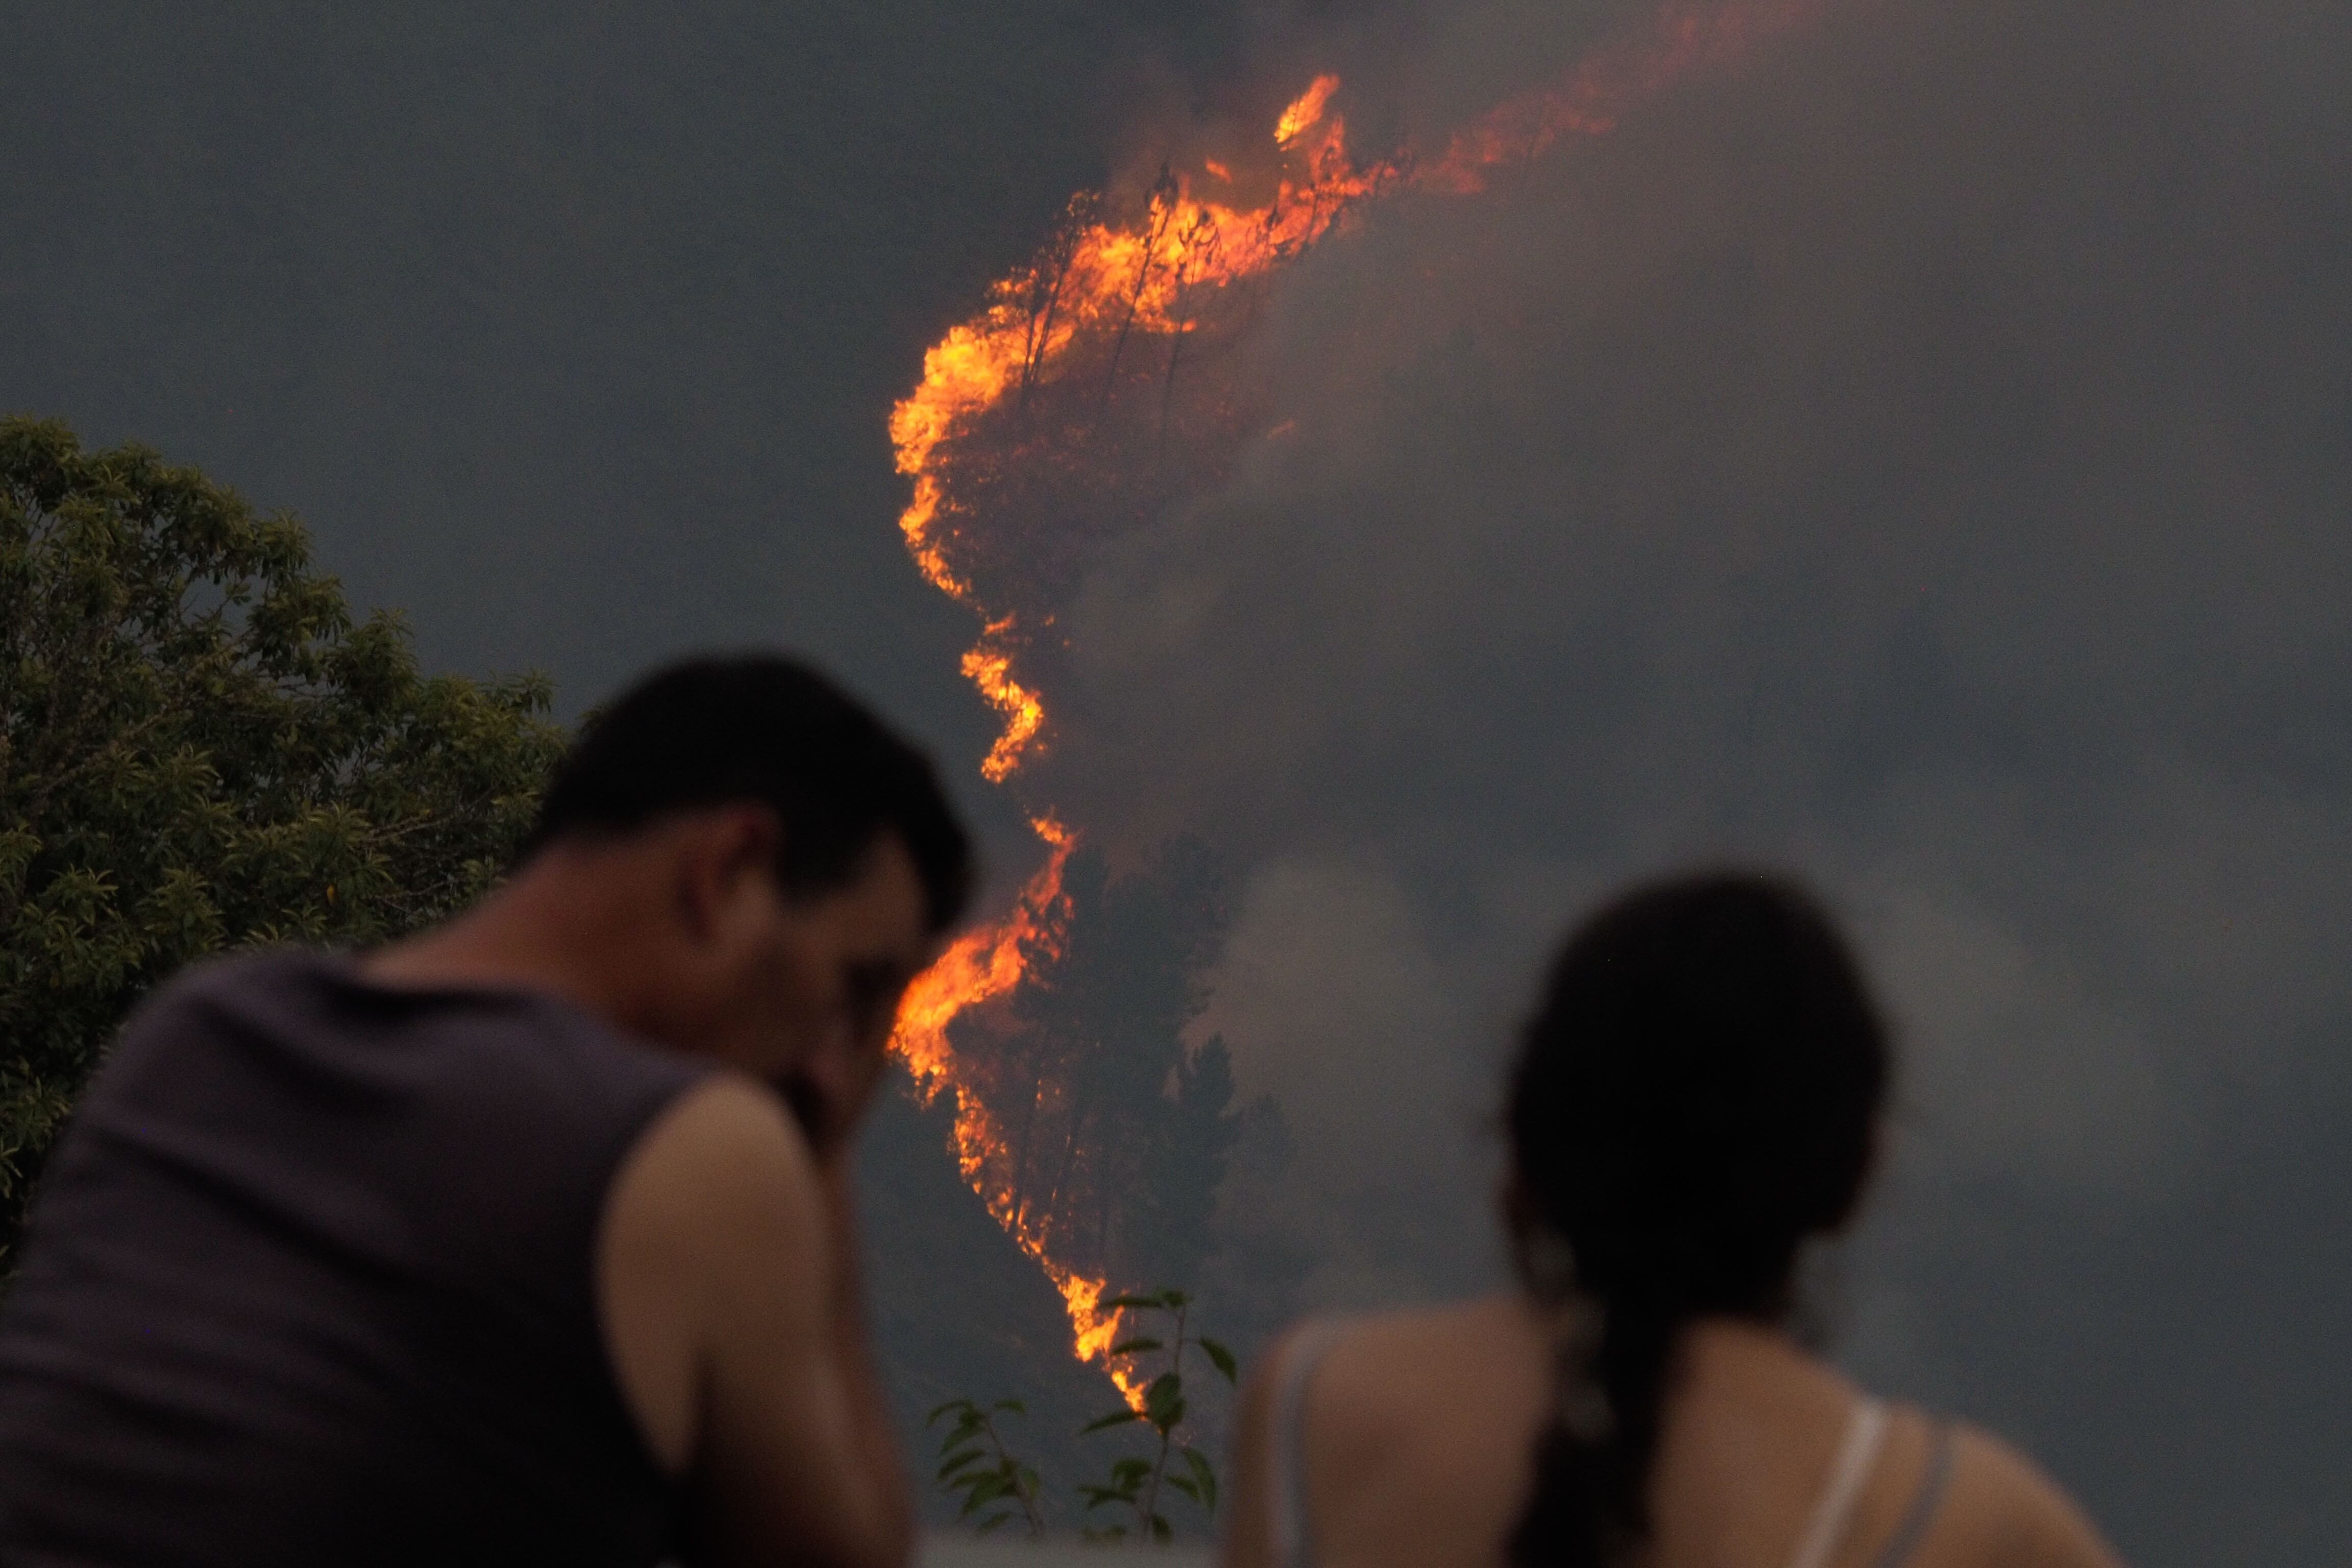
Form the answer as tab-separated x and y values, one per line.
976	1465
1135	1483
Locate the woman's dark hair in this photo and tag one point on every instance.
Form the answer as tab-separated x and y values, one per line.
1697	1094
759	727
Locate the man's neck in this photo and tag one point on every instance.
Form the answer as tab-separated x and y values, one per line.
552	929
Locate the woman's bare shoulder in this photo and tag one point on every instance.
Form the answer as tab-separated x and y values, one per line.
1417	1430
1407	1379
2004	1509
1435	1347
1481	1326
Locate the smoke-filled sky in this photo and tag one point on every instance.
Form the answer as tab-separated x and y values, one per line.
1919	460
1923	461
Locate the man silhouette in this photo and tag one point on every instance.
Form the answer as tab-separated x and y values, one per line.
527	1239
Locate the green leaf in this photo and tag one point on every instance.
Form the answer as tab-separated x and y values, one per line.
1166	1394
992	1521
1116	1419
1186	1486
1204	1478
983	1489
938	1411
958	1463
1222	1359
1135	1347
1128	1304
1014	1406
1159	1529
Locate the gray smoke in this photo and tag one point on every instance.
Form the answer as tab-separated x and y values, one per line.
1919	461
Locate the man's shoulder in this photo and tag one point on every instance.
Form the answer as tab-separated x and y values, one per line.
720	1196
724	1157
253	972
712	1229
303	1019
212	998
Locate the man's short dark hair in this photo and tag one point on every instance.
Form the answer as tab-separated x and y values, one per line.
759	727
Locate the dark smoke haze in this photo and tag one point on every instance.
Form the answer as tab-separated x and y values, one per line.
1923	462
1920	461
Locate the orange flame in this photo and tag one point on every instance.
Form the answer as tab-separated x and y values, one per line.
980	964
1143	269
1304	111
990	667
1154	273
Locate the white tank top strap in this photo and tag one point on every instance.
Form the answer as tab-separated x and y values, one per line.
1291	1545
1857	1456
1925	1503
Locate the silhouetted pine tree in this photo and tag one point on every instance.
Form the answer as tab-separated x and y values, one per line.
1172	1210
1120	1133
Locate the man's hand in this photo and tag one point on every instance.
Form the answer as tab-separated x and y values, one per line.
830	1092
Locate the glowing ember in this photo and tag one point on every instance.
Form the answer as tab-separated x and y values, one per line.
1112	305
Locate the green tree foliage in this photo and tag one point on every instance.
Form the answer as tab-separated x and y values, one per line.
200	750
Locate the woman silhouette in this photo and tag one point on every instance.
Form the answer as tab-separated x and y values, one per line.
1698	1095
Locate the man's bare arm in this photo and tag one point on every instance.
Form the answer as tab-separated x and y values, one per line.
727	1283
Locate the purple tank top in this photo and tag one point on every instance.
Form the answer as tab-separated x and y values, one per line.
310	1282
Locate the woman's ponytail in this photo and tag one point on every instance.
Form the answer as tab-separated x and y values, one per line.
1591	1503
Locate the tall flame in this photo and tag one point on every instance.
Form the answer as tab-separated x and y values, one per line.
1306	111
1156	275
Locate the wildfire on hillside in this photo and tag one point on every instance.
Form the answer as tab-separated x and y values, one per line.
1088	394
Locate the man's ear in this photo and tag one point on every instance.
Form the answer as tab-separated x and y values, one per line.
727	854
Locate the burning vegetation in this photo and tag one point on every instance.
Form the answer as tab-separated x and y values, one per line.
1091	392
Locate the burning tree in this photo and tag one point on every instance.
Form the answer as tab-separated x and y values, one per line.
1117	1133
1091	393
